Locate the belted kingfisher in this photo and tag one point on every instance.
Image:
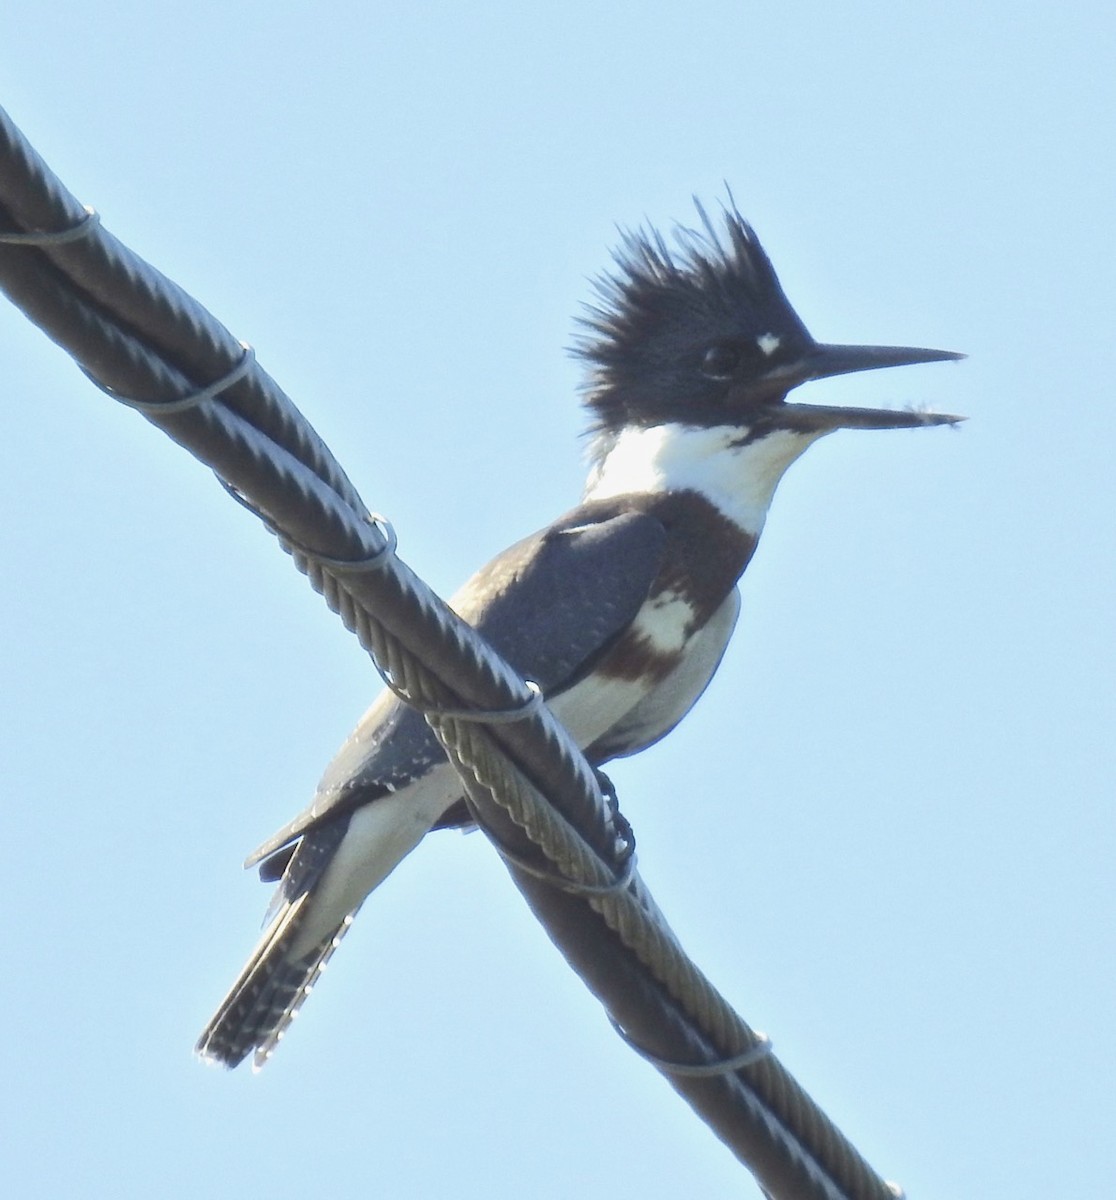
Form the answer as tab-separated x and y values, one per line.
620	610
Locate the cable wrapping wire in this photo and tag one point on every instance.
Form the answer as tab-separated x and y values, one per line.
144	340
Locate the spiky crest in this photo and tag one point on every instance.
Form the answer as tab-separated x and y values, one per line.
660	311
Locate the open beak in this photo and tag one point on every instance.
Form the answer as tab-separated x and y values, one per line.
823	361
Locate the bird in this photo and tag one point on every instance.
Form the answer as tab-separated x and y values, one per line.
619	611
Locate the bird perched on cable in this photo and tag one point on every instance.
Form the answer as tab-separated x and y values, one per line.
620	610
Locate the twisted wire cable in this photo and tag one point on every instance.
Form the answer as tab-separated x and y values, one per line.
146	342
835	1166
110	277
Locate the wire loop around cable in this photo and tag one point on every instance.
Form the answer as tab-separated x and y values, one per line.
574	887
725	1066
375	561
166	408
482	716
337	566
59	237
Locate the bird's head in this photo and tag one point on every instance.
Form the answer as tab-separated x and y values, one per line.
703	336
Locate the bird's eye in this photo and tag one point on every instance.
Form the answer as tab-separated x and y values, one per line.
720	361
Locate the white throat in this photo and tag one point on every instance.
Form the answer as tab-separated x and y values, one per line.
738	480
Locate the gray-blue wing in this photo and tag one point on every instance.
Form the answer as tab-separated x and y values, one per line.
550	604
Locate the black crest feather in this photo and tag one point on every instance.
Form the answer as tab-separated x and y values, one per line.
663	305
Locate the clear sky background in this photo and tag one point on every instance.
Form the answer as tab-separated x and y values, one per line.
887	831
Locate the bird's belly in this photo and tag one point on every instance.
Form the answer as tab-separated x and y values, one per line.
647	675
664	705
593	706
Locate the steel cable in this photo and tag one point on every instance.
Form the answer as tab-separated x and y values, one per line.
145	341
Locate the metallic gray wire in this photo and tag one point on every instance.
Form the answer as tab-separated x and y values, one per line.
166	408
150	339
144	300
724	1066
80	229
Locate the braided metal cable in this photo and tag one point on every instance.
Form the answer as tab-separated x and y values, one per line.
633	916
145	341
831	1162
109	276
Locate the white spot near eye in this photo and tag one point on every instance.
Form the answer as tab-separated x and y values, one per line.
768	343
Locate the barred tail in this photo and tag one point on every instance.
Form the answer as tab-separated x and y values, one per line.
270	990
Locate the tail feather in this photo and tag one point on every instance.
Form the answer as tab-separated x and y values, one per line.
270	990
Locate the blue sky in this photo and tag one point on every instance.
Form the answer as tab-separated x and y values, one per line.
886	832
